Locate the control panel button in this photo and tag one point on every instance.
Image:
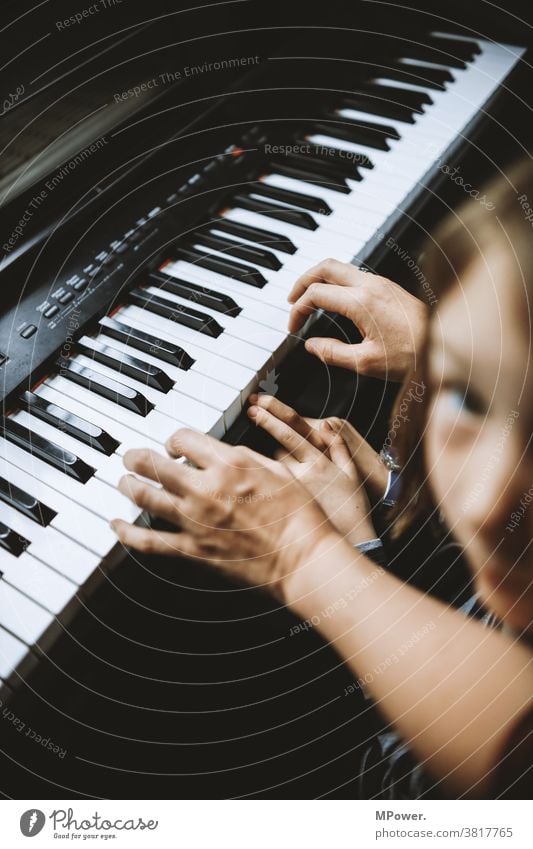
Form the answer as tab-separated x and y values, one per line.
51	311
66	298
80	285
28	331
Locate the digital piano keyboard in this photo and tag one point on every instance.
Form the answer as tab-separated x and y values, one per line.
172	318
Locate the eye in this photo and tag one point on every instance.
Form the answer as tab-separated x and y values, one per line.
463	399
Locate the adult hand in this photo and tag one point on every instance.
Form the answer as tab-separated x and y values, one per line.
391	321
236	510
321	460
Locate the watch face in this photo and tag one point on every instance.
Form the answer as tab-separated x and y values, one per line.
388	459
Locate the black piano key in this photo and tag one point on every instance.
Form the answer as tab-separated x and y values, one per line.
126	364
410	99
105	386
194	292
379	104
12	542
281	213
413	74
428	52
314	174
350	131
71	424
255	234
25	503
297	199
321	163
368	127
333	154
222	266
51	453
141	341
250	253
199	321
462	48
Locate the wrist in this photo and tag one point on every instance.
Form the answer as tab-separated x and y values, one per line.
315	571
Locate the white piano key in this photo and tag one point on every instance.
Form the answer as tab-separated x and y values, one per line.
179	408
283	278
74	520
23	617
227	372
96	496
192	382
362	227
255	310
128	438
310	241
12	653
155	424
349	207
107	469
49	545
225	346
37	581
238	326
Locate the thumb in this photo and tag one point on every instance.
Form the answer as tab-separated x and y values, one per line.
333	352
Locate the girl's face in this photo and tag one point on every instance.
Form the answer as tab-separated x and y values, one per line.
478	448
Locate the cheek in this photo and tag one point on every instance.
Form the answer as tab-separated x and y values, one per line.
446	456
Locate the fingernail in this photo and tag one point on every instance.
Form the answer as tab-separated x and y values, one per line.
113	525
253	398
252	412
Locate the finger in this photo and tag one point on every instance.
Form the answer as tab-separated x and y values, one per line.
154	542
341	457
327	271
157	502
286	414
359	357
177	478
349	435
200	449
288	438
321	296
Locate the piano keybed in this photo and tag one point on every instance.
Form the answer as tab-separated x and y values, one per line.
192	339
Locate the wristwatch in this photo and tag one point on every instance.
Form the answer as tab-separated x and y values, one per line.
389	460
